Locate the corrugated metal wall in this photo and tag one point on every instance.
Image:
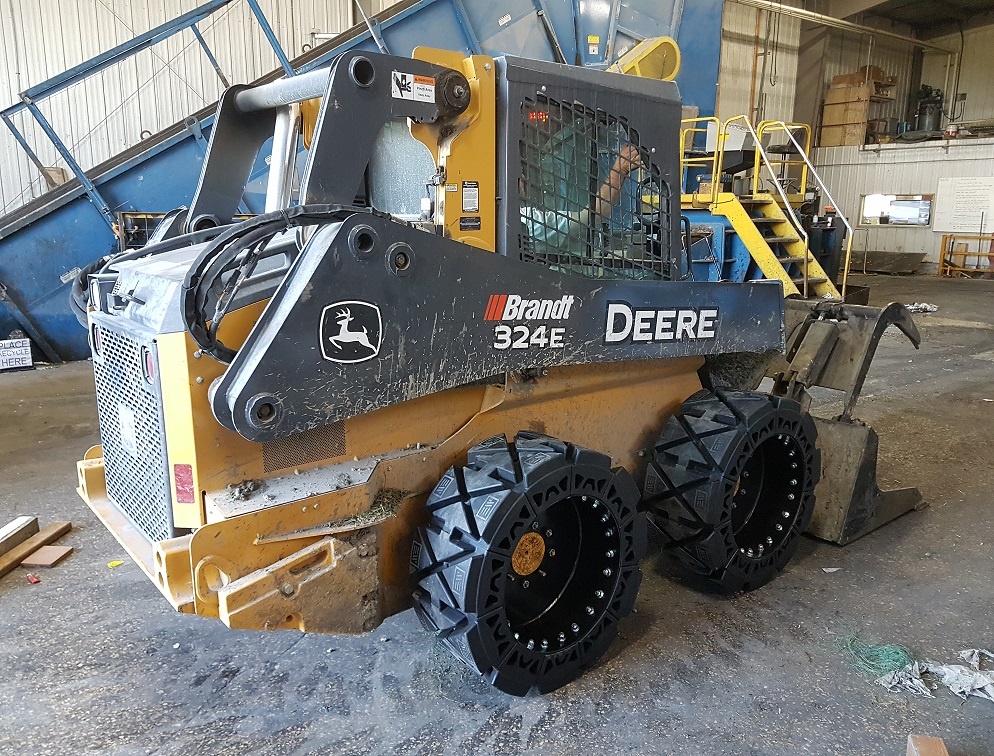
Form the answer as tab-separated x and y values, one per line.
852	172
111	111
741	69
848	52
975	77
745	35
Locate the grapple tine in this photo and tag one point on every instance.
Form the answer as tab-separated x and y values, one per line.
831	344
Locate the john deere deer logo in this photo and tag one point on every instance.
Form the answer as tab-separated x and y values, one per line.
350	331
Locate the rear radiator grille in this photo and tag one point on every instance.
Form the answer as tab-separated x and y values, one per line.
130	412
305	447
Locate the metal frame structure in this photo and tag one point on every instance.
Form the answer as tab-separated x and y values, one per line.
31	96
159	174
953	263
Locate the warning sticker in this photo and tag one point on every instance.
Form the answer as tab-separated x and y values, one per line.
593	44
470	224
504	20
471	196
405	86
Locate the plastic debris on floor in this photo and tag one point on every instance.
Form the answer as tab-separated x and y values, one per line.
922	307
962	680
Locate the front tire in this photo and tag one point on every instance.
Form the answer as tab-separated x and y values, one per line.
530	558
731	486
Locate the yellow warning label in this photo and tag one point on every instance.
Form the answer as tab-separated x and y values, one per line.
593	39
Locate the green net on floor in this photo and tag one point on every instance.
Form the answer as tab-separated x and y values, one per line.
874	659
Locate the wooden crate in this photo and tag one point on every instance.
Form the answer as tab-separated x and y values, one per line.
843	135
841	113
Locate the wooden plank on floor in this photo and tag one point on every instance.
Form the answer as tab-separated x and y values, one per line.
16	532
16	555
922	745
47	556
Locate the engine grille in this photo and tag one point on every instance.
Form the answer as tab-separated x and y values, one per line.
131	431
305	447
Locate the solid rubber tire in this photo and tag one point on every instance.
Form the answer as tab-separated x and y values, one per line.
462	559
694	478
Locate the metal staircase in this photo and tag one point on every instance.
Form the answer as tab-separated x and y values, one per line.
764	225
775	244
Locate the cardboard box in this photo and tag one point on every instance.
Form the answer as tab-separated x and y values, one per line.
865	74
857	93
845	112
15	353
845	135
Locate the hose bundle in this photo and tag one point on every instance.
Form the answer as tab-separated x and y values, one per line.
237	251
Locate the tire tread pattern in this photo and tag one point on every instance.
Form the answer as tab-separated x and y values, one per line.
458	559
696	466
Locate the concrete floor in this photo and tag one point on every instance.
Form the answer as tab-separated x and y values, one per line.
92	659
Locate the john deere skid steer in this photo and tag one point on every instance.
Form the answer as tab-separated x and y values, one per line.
460	357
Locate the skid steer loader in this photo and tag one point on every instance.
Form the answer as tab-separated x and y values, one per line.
460	357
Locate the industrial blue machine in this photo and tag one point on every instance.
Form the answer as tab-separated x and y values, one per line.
44	242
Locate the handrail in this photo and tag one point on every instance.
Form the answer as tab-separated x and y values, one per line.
764	127
831	199
33	95
760	152
703	161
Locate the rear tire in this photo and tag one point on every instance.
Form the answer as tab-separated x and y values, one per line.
530	558
731	486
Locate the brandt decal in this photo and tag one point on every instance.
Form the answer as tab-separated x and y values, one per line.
351	331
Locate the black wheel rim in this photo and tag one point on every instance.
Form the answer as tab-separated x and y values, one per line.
767	495
563	597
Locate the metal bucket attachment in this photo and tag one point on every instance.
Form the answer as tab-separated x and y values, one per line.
848	501
831	345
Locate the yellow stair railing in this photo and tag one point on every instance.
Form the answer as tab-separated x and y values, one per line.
718	201
762	159
690	127
808	166
784	162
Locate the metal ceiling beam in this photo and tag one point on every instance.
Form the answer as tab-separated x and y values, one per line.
846	8
838	23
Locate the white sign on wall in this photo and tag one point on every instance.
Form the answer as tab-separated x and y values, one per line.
964	206
15	353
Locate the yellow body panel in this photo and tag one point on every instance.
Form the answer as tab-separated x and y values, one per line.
654	58
467	151
217	455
